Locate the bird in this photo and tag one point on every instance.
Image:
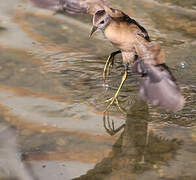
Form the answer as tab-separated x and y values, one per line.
132	40
118	23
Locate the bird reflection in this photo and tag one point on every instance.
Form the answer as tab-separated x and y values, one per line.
136	150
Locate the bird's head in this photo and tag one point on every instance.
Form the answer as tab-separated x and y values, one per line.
102	18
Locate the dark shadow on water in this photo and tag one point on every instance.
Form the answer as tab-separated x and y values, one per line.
136	150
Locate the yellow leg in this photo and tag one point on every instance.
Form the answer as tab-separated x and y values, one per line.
107	67
108	63
114	98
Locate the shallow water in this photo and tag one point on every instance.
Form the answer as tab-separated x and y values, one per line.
52	94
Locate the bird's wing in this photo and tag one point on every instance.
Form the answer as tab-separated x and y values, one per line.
158	86
119	15
141	30
114	13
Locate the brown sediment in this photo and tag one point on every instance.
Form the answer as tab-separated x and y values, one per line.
24	91
43	128
90	155
51	46
23	53
75	154
19	18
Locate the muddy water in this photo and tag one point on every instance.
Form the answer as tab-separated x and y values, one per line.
52	95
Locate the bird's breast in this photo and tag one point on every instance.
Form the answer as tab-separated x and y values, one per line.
120	36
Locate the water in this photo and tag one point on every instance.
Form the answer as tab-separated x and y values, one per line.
52	94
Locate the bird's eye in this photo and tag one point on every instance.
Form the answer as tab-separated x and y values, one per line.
102	22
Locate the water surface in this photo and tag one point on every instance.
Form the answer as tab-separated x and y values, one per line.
52	94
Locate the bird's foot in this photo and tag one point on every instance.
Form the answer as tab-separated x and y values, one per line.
111	101
114	98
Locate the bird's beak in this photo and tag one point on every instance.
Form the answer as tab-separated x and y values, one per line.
92	31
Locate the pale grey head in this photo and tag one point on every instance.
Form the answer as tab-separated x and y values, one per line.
101	20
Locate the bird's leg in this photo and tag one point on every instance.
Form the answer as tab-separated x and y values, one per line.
109	62
114	98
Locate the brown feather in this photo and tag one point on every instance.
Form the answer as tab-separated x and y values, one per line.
114	13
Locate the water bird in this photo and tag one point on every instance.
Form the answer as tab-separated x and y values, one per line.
133	41
157	84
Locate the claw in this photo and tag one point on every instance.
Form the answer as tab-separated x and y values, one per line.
111	100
